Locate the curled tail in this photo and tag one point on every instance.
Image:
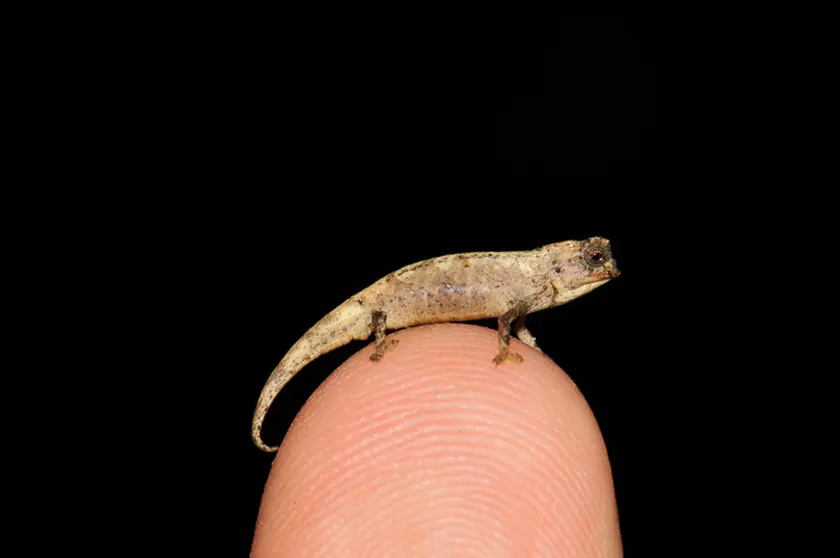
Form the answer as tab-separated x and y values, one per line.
350	321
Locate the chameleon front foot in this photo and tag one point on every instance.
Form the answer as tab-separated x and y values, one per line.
524	335
506	354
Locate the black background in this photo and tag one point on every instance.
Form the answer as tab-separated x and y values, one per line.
271	162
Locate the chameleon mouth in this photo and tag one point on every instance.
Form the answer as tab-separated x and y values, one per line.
607	272
580	290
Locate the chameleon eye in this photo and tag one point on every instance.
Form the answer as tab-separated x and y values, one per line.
595	258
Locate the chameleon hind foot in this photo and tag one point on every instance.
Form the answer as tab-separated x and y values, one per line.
380	349
382	342
504	336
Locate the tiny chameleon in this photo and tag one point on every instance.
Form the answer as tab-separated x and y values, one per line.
454	288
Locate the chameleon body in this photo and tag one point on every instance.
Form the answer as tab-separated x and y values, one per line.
454	288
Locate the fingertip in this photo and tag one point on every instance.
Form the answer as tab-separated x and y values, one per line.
435	448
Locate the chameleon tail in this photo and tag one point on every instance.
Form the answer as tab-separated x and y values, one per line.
276	381
347	322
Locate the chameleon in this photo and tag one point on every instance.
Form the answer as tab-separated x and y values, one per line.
453	288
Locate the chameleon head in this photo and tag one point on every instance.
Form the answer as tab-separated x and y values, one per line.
579	266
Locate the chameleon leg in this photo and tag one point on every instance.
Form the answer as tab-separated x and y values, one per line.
382	343
523	334
504	338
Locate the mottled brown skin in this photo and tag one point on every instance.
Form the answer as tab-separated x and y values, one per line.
454	288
